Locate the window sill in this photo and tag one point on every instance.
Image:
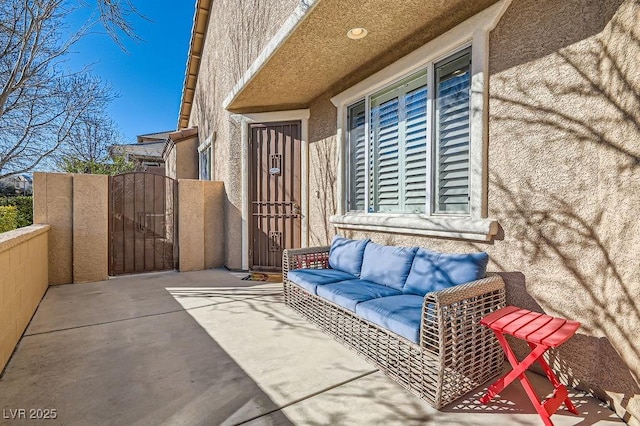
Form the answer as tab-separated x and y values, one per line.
464	228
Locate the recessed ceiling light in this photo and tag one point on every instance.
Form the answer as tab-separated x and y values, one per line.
357	33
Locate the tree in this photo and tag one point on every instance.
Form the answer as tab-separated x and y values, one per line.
40	101
88	150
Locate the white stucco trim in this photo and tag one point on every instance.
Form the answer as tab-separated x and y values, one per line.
434	226
288	28
273	117
472	32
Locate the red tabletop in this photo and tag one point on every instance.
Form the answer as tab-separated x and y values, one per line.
531	326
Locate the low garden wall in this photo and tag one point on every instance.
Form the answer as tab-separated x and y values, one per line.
23	281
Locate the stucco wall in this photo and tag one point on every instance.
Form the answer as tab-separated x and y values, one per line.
75	206
565	177
186	152
200	224
564	182
53	205
237	32
90	228
23	282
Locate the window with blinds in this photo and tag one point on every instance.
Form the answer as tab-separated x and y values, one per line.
389	162
453	84
356	161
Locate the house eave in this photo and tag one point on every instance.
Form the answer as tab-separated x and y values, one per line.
196	46
311	54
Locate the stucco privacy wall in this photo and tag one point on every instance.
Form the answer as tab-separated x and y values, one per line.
564	182
23	282
186	152
75	206
52	205
200	224
90	228
237	32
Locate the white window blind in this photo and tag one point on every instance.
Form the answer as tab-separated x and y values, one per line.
357	173
452	134
398	147
393	164
415	157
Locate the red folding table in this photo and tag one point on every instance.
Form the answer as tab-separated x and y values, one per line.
541	332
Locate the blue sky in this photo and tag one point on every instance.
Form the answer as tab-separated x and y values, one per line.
149	77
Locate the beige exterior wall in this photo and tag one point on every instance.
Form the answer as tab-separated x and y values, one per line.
200	224
564	181
53	205
186	152
23	282
237	32
90	228
76	209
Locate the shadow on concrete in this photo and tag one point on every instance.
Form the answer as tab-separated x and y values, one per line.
158	368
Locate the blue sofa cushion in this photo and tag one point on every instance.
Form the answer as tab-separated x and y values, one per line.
309	279
349	293
346	255
432	271
387	265
399	314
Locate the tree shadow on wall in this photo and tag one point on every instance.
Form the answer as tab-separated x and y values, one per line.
572	211
324	179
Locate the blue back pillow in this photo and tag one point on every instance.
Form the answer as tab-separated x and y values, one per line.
432	271
387	265
346	255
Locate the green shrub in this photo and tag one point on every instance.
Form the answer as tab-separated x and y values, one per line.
8	218
24	205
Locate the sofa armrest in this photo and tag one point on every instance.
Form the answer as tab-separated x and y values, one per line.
311	257
451	317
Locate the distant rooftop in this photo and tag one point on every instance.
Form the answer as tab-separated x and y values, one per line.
153	137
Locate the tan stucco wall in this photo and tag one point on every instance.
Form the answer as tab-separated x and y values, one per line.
200	224
53	205
186	152
75	206
565	177
236	34
564	181
90	228
23	282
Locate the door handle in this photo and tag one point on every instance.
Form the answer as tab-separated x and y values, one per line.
295	209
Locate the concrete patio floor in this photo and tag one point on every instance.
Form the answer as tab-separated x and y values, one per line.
208	348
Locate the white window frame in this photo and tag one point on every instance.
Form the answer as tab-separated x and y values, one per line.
475	225
206	146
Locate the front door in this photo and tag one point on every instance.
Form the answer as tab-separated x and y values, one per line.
274	193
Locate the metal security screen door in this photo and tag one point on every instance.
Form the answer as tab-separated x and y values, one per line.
142	223
275	193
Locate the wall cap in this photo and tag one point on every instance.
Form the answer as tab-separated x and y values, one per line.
16	237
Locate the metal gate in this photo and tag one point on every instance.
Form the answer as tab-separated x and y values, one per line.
142	223
275	192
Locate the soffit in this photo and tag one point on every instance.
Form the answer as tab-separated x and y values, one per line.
316	56
198	33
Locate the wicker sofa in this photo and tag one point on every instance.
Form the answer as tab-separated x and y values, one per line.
403	309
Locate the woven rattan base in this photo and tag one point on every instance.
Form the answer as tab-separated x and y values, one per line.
456	353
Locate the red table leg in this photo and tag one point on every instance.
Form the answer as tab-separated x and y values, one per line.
541	332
